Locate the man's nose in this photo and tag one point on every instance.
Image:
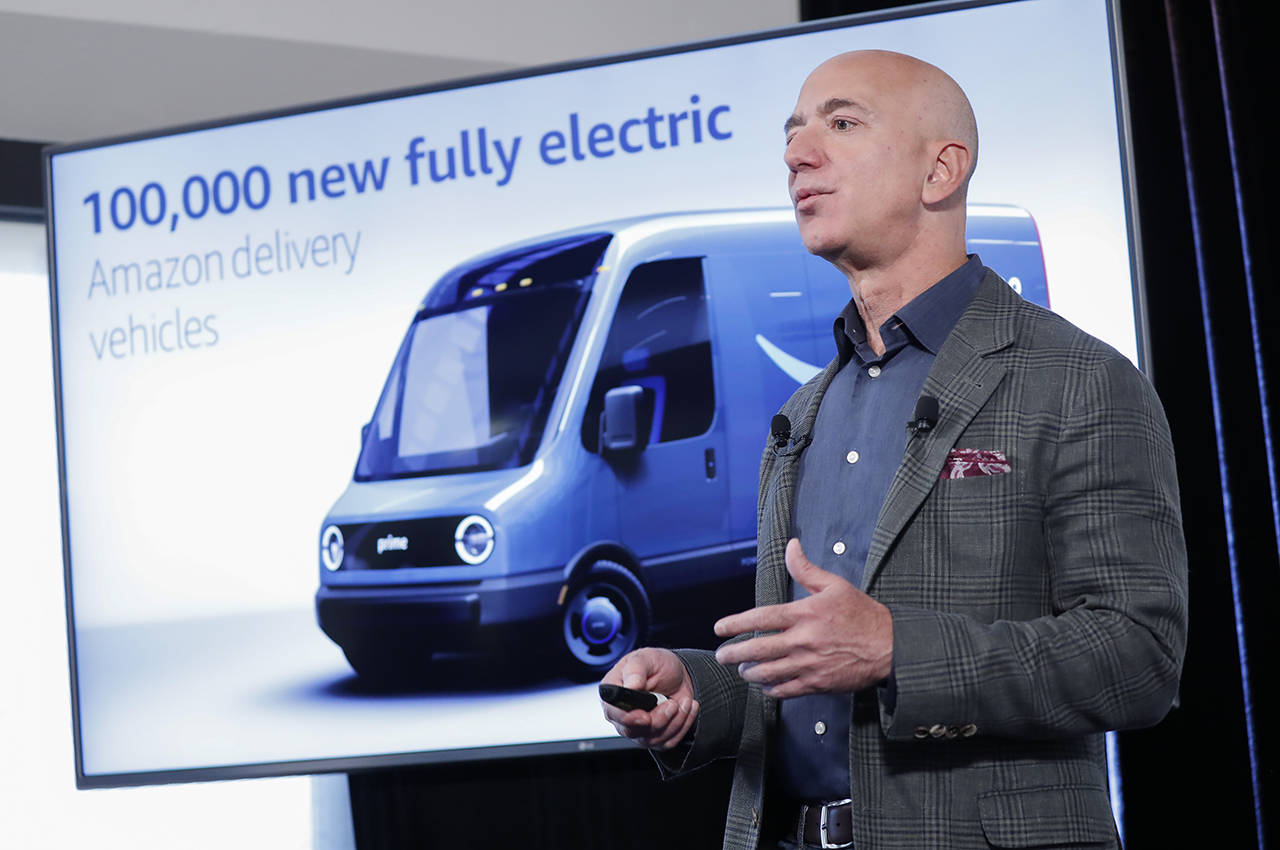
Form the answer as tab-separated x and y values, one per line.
802	151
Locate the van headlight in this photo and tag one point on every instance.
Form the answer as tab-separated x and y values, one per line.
473	539
332	547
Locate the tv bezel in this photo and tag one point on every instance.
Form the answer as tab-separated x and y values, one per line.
587	745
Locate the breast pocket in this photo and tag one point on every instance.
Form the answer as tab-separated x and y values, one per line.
975	499
974	546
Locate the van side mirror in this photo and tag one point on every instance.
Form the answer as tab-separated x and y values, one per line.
626	420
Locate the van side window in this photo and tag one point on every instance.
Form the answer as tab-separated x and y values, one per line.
660	341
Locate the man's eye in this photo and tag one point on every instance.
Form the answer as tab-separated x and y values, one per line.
842	124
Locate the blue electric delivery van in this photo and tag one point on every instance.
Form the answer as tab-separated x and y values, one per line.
565	453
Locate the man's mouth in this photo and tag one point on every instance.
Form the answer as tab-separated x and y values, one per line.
803	197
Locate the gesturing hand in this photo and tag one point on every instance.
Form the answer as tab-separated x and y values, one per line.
837	640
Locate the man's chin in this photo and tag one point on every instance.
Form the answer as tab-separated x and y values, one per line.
819	243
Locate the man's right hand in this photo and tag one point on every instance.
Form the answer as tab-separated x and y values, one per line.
662	672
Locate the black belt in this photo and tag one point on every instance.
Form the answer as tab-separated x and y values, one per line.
825	824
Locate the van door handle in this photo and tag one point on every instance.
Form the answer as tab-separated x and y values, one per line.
710	461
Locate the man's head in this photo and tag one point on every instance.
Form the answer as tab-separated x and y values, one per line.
880	150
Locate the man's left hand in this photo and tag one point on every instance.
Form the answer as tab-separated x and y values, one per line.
837	640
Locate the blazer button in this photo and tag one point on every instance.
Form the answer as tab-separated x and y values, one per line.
937	730
953	731
921	732
968	730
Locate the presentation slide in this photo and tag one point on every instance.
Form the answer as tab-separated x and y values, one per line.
387	427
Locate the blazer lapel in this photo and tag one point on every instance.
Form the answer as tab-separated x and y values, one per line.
962	380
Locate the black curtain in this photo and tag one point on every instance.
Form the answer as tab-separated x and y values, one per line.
1199	89
612	801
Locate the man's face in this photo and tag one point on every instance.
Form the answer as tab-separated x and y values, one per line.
857	162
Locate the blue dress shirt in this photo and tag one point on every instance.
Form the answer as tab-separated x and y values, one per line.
858	441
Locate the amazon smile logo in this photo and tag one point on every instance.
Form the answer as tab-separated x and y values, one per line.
795	368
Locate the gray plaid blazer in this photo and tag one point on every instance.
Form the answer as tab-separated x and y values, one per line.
1032	610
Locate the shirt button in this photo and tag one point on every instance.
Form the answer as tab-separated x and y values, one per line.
874	371
820	728
838	548
852	457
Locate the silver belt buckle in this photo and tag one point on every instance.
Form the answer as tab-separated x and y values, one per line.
822	824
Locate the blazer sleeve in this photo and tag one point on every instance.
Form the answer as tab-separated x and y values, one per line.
722	699
1108	652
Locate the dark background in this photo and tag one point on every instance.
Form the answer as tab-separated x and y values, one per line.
1200	87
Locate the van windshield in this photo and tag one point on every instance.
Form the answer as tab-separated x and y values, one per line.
473	382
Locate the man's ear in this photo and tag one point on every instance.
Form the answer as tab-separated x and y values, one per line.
949	174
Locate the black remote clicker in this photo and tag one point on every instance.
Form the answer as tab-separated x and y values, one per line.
629	700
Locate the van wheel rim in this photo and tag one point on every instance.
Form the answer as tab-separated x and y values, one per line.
600	624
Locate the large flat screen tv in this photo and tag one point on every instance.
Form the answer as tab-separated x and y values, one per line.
387	425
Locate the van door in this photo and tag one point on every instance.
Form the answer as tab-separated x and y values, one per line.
672	494
764	331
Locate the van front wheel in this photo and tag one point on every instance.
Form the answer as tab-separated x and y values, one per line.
605	617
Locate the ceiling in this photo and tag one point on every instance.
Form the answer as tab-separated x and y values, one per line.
72	70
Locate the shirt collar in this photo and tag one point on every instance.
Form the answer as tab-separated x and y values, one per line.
928	318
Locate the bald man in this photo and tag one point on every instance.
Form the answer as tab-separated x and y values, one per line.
949	617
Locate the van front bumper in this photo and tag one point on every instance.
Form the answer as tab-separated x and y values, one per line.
454	616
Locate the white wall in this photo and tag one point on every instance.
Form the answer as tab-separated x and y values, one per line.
80	69
503	31
39	804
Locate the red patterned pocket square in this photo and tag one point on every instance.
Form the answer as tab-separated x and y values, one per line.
972	463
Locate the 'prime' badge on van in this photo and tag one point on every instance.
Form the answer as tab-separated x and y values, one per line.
390	543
